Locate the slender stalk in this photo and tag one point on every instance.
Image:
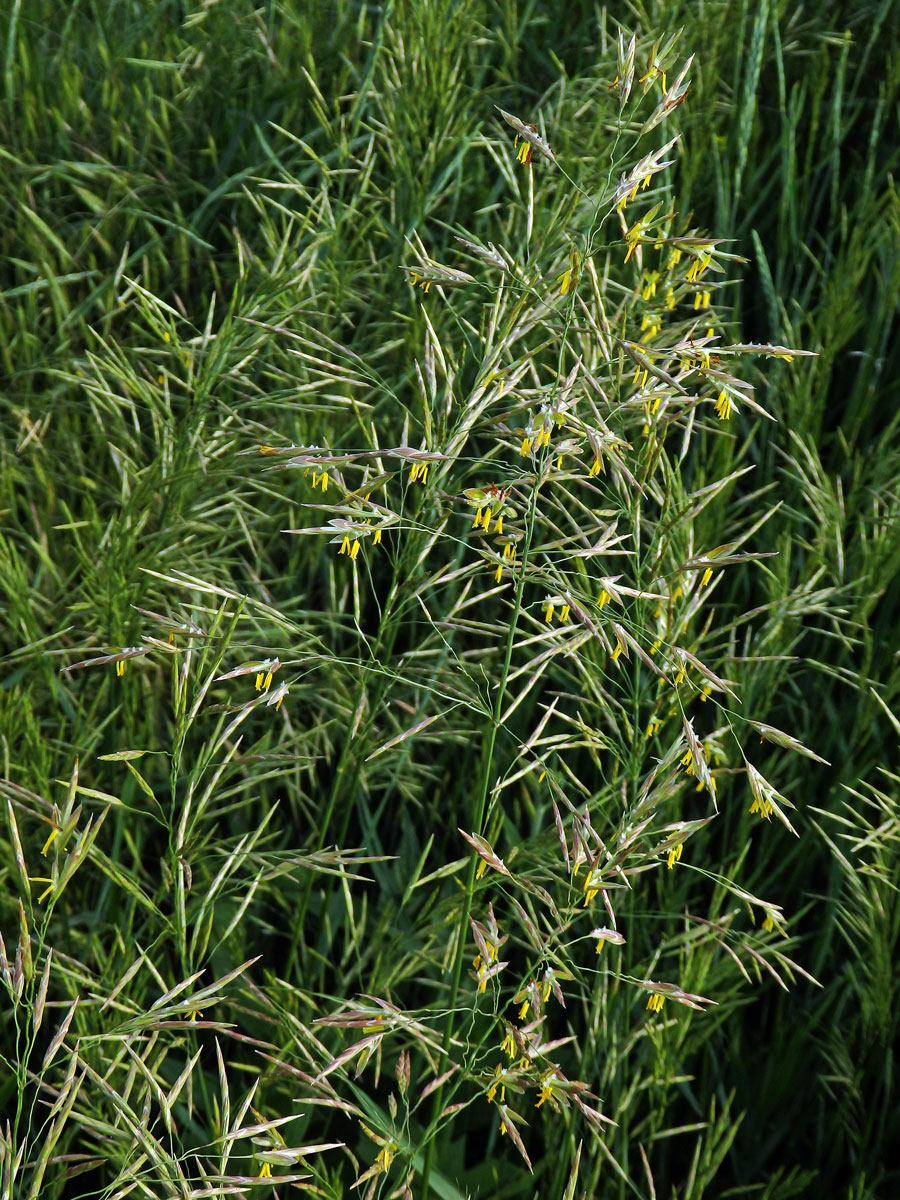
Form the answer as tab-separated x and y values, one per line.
347	769
480	812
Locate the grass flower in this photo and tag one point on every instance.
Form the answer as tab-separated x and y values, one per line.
386	1155
276	699
604	936
528	998
593	881
698	267
47	890
569	277
499	1081
723	406
265	674
416	280
531	139
762	806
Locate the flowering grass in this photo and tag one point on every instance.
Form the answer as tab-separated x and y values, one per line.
448	556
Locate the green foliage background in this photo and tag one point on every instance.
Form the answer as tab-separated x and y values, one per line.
206	209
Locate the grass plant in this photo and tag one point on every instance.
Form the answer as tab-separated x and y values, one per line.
448	582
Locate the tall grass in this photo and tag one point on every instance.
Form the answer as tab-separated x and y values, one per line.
349	838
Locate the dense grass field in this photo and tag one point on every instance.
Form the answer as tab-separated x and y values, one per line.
449	593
